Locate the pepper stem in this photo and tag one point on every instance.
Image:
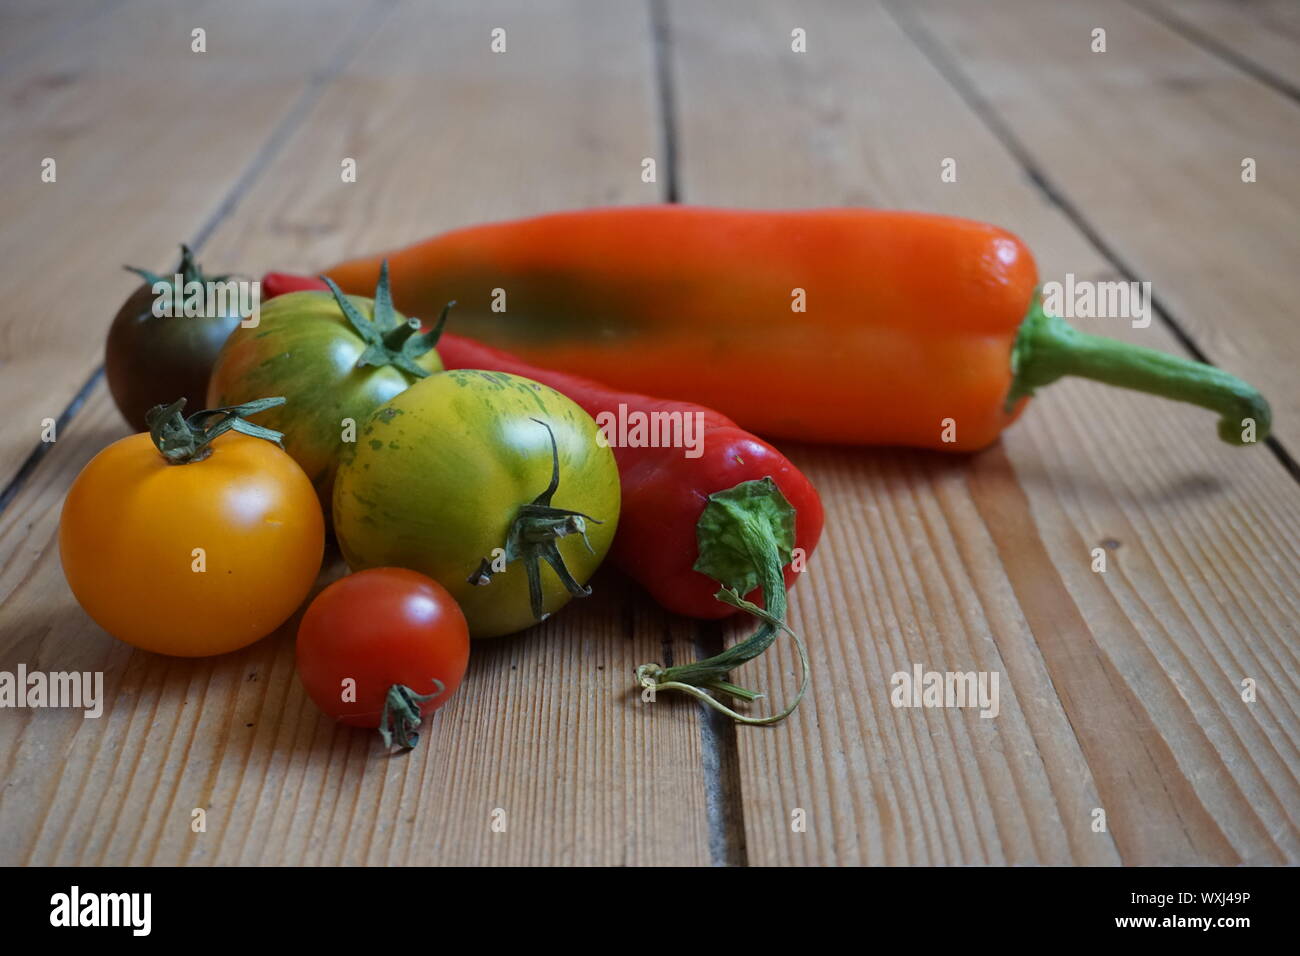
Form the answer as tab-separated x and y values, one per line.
532	538
745	536
401	714
1049	348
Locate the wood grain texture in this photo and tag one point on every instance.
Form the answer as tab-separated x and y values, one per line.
1147	140
29	27
447	133
148	138
547	727
282	784
1119	690
1258	35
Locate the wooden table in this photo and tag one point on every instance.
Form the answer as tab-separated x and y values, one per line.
1120	690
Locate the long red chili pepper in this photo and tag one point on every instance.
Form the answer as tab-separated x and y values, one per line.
718	504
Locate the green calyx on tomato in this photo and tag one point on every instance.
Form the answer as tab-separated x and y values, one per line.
396	638
532	538
401	716
151	358
440	475
389	340
745	536
184	440
188	270
199	559
335	358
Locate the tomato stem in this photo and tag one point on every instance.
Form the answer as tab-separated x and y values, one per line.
396	337
187	269
388	339
183	441
401	714
532	538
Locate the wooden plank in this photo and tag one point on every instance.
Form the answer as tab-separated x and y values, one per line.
1118	690
1261	36
1148	140
455	146
543	729
546	727
28	26
149	138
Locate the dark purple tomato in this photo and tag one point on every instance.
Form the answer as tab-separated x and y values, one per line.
153	360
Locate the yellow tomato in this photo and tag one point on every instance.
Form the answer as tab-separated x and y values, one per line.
191	559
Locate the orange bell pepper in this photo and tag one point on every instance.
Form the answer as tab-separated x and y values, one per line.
852	326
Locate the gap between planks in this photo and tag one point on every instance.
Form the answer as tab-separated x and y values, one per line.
274	143
1186	28
719	749
718	735
717	47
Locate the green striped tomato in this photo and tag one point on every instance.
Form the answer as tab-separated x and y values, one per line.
306	349
455	470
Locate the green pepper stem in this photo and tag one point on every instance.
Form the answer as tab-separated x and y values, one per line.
1049	348
747	512
695	677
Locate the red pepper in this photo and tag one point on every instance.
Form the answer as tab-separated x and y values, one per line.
722	510
664	492
662	527
279	283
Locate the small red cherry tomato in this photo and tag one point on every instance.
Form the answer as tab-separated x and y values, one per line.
383	648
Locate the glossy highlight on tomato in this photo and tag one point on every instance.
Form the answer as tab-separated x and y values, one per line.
191	559
439	474
333	370
383	648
